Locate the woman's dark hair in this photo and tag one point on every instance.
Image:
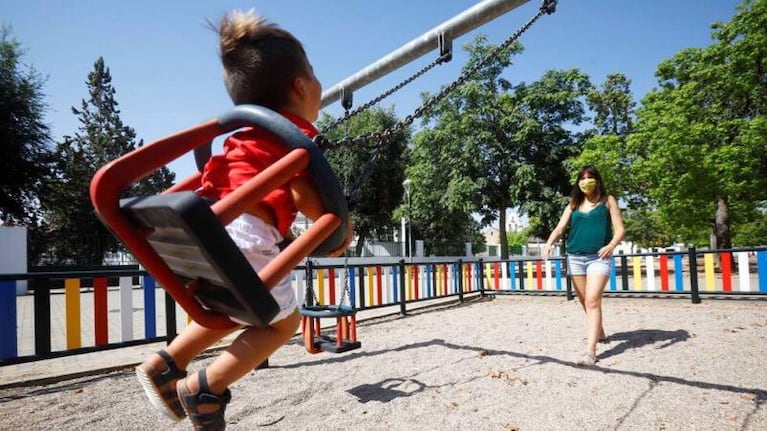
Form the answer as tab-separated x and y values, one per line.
577	196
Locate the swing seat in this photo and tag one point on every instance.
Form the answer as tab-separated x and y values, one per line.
195	246
179	237
346	329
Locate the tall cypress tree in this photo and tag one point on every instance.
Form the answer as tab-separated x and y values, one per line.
75	235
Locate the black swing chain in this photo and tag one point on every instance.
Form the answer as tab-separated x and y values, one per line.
349	114
381	138
548	7
346	285
312	300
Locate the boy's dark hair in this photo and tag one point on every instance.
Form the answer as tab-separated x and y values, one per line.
260	59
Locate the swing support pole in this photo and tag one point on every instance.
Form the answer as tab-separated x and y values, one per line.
448	31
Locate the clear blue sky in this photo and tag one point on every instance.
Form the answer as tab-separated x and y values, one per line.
166	72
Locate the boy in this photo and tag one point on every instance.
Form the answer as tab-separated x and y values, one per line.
263	65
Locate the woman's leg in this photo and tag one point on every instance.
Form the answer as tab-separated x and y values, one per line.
579	285
592	303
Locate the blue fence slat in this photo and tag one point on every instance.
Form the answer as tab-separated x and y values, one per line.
613	275
150	306
8	340
429	291
761	265
512	275
678	273
352	280
395	283
455	278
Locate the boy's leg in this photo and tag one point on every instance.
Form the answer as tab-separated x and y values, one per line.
249	349
160	372
192	341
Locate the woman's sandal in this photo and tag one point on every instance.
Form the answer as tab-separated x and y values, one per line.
160	386
210	421
588	359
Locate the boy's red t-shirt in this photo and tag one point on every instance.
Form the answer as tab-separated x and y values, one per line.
246	153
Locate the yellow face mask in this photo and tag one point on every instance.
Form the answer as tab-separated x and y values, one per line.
587	185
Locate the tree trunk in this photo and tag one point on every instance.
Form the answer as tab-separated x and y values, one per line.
361	237
721	236
502	233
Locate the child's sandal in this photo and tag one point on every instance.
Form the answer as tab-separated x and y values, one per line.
211	421
160	386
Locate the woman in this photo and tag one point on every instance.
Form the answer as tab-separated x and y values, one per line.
596	228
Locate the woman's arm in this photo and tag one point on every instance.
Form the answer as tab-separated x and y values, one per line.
616	218
557	232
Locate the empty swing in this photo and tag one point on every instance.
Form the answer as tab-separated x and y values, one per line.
179	237
345	314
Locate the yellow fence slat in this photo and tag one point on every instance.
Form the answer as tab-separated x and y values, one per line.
637	267
708	268
72	305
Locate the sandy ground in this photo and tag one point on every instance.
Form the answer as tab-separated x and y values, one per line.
504	363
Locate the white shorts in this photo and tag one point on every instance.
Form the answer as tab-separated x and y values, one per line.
258	242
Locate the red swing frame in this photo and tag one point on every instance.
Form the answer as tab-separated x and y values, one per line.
113	179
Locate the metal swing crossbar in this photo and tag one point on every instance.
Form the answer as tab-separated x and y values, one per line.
180	239
346	321
476	15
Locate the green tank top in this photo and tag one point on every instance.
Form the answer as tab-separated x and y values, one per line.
589	231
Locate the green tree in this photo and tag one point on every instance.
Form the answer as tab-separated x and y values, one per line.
753	230
701	140
74	233
439	216
25	150
614	118
374	185
645	229
506	145
614	115
517	240
552	105
613	106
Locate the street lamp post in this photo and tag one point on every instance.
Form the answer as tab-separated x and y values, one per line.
406	184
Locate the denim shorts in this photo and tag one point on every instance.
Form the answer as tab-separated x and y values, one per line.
583	264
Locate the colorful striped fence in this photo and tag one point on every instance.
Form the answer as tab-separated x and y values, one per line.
382	285
74	312
721	272
87	325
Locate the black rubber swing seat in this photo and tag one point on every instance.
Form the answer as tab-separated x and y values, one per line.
188	236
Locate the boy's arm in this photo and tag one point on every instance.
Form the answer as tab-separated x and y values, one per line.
306	197
308	201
